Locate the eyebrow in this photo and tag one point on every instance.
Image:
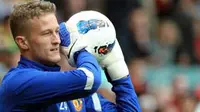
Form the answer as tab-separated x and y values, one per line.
57	28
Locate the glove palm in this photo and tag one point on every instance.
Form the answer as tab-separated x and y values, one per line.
115	64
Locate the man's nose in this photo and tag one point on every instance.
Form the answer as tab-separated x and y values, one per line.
56	39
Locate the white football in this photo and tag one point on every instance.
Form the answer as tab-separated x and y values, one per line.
97	28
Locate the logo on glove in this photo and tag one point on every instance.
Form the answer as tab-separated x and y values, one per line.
92	24
103	50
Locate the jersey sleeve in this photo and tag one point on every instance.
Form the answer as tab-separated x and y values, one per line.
30	86
126	99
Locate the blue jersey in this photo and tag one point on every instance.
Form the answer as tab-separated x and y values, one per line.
33	87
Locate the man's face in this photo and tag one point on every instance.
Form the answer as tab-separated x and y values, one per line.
44	39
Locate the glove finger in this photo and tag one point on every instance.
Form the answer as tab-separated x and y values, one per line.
64	35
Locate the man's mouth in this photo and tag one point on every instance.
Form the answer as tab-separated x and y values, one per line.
55	49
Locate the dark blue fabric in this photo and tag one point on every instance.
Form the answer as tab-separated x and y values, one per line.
126	98
32	86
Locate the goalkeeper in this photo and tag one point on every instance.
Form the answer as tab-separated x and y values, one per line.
38	85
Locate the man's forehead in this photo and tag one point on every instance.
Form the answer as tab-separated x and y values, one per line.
46	20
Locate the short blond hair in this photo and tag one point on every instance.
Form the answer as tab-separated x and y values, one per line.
22	13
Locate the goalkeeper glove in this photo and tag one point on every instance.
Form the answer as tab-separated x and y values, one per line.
71	42
114	63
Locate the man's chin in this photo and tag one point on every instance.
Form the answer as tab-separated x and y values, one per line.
56	59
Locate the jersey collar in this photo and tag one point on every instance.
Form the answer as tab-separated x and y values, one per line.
26	63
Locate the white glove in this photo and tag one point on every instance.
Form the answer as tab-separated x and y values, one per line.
71	42
115	64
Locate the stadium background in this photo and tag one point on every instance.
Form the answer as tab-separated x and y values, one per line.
160	40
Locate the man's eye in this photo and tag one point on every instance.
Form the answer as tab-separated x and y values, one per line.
46	33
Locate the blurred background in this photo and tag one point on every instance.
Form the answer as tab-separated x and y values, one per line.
160	40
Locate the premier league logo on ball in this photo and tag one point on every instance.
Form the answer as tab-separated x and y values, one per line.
92	24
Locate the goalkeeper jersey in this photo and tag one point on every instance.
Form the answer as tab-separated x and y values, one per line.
33	87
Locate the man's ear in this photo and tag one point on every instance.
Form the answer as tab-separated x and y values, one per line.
22	42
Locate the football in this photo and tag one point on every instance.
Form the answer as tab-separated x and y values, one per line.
97	29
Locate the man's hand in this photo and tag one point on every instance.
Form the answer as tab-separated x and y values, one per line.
114	63
71	42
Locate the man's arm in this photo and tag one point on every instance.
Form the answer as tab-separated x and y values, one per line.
117	74
126	98
31	86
